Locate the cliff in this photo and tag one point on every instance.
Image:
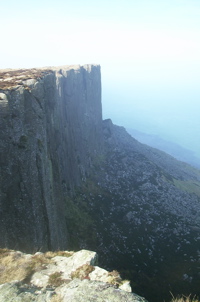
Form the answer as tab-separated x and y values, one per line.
50	131
67	180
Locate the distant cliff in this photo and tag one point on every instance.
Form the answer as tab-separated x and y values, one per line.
50	131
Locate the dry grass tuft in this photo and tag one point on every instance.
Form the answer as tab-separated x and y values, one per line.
12	267
114	278
58	253
183	298
3	251
82	272
18	266
15	77
55	279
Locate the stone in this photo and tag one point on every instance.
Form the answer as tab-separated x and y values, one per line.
94	287
63	265
50	131
84	291
126	286
99	274
15	291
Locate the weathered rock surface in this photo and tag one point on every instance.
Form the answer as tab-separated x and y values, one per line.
15	291
75	291
54	281
84	291
65	266
50	131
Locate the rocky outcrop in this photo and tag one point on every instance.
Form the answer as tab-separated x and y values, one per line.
71	277
75	291
50	132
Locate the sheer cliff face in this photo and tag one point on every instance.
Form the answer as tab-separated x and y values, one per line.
50	131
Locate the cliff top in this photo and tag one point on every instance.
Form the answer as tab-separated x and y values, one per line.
14	77
10	78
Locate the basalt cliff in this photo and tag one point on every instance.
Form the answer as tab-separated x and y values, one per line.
50	132
69	180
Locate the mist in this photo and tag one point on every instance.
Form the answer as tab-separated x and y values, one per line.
156	103
148	52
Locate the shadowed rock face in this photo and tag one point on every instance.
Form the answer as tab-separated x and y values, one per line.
50	130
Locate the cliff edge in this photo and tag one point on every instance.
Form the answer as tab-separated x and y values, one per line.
50	131
61	276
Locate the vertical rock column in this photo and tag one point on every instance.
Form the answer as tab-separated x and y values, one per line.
50	132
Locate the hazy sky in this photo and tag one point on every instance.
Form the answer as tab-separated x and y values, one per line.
149	52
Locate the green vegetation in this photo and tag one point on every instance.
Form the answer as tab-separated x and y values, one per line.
99	160
80	223
80	220
189	186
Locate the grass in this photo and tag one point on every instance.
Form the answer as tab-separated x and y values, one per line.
189	186
16	266
114	278
59	253
82	272
55	279
11	78
184	299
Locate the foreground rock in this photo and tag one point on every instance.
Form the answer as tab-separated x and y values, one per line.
86	290
53	278
15	291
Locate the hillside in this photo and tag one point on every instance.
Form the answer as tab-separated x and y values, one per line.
167	146
69	180
145	208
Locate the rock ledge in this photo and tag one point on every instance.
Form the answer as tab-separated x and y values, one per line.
60	276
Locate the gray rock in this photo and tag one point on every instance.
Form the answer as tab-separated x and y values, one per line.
63	265
95	287
50	131
85	291
16	292
75	291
